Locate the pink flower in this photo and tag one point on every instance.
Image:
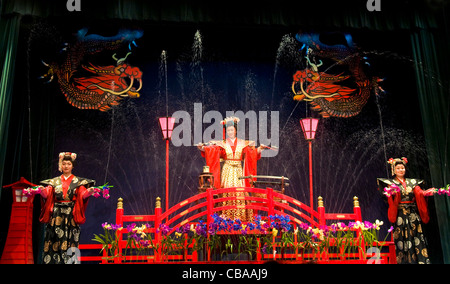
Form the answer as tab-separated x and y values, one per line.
391	190
30	191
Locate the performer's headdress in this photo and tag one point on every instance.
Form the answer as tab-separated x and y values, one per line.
229	121
72	156
396	161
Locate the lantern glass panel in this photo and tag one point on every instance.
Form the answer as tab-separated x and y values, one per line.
309	127
18	195
167	124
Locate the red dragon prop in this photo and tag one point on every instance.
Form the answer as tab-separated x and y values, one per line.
110	83
325	92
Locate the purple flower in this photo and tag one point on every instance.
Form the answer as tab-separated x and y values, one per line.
201	230
115	227
334	228
264	249
304	226
186	228
324	228
164	229
135	237
145	243
368	225
130	227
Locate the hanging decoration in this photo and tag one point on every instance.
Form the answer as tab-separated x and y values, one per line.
338	95
109	84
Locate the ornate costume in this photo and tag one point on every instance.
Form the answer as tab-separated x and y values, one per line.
233	153
407	210
63	209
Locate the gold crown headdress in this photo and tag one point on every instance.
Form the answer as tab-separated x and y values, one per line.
73	156
393	161
229	121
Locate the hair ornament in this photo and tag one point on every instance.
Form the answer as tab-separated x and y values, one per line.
73	156
393	161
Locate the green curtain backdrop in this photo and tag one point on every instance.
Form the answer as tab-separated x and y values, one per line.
9	32
398	14
433	90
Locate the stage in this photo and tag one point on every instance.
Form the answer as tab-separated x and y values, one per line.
327	93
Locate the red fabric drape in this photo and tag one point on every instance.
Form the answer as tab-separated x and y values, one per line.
422	205
250	164
212	157
393	202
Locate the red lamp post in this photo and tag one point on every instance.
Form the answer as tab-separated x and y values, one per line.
167	124
309	127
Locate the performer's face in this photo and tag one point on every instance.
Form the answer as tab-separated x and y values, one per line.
400	170
231	132
67	167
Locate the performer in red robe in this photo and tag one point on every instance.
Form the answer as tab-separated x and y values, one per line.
407	211
64	201
233	151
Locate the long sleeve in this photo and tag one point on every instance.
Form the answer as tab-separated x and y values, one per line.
80	206
46	191
212	156
47	205
84	193
250	165
422	205
393	202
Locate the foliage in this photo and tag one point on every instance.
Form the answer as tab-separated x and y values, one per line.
264	234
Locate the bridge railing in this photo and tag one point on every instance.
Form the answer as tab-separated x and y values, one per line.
264	202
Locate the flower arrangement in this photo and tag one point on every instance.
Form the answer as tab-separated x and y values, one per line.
30	191
443	190
264	234
102	190
110	239
98	191
391	190
394	189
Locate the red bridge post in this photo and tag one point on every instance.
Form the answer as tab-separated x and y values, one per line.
157	232
119	221
321	210
270	201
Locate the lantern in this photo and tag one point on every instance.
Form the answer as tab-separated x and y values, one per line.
205	180
309	127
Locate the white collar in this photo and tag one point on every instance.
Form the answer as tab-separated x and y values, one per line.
66	178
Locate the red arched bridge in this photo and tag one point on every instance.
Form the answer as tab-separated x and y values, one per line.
264	202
